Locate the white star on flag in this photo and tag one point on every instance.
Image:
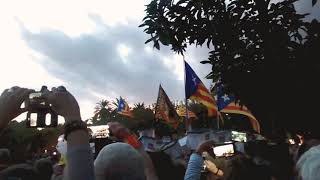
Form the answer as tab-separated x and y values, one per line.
225	98
194	80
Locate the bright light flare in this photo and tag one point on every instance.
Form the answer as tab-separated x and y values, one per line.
291	141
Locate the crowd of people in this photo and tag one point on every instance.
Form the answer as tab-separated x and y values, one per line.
127	159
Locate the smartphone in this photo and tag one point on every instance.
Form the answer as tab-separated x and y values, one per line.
101	131
223	150
40	114
204	167
41	119
239	136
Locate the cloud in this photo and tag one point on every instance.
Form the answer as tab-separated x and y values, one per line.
305	6
95	60
113	61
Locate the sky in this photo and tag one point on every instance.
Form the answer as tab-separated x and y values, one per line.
94	48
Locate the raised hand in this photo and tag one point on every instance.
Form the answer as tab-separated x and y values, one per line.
10	103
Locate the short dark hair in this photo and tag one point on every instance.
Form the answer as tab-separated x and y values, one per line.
164	166
19	171
240	167
5	156
44	168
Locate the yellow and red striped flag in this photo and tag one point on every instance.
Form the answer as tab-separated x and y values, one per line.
123	108
182	112
165	110
196	90
235	108
227	104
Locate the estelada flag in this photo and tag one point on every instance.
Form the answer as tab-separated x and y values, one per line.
236	108
196	90
165	110
123	108
227	104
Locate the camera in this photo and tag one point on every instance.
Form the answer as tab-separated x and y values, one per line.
40	113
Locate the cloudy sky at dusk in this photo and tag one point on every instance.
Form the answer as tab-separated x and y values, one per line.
92	47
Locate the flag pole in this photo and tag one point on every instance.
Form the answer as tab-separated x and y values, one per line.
186	100
218	111
218	120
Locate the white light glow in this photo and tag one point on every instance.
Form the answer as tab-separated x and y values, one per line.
124	51
291	141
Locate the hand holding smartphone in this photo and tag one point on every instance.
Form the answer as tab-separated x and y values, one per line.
224	150
40	113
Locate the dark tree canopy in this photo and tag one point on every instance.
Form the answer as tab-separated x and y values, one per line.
105	112
23	141
265	53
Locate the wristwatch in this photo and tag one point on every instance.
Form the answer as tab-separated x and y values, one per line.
74	126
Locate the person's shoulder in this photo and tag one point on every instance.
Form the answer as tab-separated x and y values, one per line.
19	171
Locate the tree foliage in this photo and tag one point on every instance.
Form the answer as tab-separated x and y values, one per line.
144	116
107	112
265	53
102	112
23	141
314	2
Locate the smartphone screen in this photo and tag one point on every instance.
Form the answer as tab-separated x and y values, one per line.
33	119
101	131
224	150
35	95
239	136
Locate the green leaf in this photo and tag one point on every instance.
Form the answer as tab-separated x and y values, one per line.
210	75
208	43
145	18
205	62
141	25
314	2
148	40
156	45
164	39
181	2
148	22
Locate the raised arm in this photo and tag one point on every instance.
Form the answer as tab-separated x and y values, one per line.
10	102
195	163
79	155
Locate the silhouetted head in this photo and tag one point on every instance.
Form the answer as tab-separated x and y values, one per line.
119	161
309	164
5	158
239	167
21	172
45	169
